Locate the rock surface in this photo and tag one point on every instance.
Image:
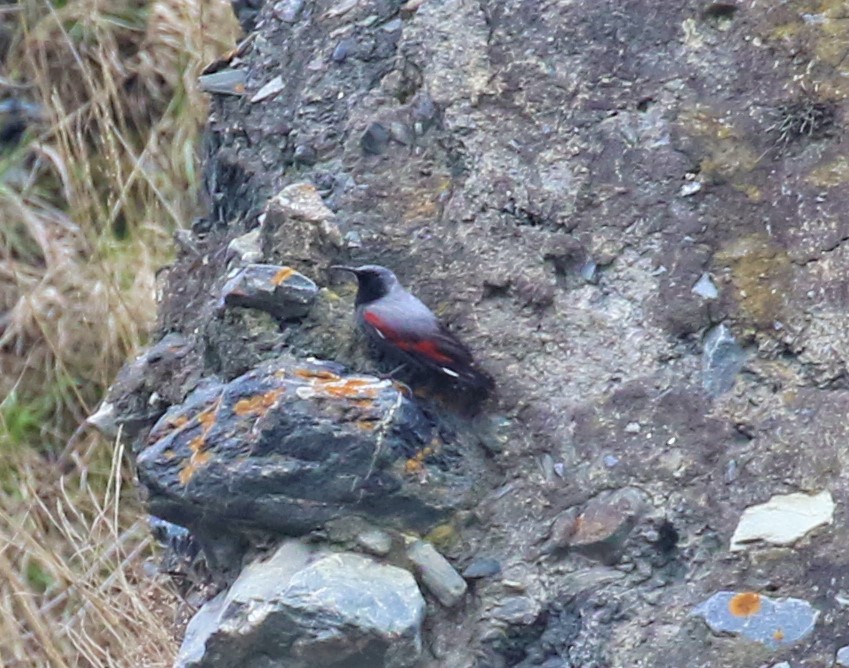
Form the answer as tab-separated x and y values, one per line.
301	610
291	445
554	179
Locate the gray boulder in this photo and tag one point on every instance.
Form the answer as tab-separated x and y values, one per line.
293	444
301	609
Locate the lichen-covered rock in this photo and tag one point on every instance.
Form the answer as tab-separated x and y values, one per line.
774	622
281	291
292	444
301	609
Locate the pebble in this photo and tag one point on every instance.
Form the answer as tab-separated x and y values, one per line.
225	82
288	10
247	247
281	291
436	573
482	567
601	530
375	541
842	658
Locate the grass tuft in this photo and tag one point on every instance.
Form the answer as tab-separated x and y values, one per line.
90	195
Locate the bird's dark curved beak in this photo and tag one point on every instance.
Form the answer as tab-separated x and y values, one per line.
340	267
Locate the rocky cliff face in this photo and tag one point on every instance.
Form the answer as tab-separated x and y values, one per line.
635	213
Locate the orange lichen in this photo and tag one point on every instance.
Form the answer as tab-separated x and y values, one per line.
207	418
745	604
416	463
169	454
282	275
367	425
352	388
321	374
171	425
199	458
778	636
191	466
257	404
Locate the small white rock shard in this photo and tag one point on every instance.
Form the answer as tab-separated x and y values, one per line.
783	519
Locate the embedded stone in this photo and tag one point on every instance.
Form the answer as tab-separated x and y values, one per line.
246	247
301	201
280	291
135	400
299	227
775	623
722	360
375	541
782	520
482	567
437	574
601	530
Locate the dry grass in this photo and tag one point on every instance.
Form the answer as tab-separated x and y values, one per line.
88	203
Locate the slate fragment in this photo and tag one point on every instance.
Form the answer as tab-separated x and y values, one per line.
280	291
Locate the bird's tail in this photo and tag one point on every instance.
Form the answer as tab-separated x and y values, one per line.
477	381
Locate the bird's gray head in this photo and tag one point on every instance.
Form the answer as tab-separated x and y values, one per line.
374	281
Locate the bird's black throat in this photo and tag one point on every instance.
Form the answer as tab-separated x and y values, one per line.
372	287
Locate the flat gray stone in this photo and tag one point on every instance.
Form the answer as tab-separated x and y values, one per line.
482	567
842	658
301	609
437	574
705	287
774	623
281	291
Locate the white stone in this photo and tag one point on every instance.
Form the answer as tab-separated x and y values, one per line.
783	519
269	90
705	287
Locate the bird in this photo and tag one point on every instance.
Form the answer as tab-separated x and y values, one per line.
401	325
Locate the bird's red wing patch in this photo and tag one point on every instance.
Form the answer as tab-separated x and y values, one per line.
430	350
425	347
380	325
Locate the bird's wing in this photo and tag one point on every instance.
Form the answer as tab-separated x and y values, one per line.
410	326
